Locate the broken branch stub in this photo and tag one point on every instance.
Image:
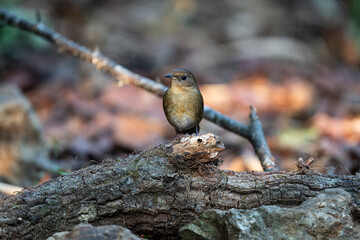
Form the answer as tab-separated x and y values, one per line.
195	151
204	148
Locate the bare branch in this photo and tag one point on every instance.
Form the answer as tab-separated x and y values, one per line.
252	132
257	139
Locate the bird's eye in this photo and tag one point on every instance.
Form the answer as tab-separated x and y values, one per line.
183	77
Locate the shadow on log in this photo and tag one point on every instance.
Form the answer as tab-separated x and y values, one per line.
155	192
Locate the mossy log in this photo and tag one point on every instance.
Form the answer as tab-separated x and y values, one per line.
155	192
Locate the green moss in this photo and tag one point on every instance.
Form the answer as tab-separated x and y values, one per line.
134	174
244	197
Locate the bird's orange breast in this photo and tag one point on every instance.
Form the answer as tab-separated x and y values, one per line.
183	109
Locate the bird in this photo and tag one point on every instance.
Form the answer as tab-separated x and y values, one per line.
183	103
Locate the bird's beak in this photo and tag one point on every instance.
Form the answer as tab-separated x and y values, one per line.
168	75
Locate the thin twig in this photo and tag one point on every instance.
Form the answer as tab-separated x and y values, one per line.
9	189
252	132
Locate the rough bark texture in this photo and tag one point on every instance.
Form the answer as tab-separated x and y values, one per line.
155	192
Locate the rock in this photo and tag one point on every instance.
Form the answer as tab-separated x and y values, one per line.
89	232
22	144
330	215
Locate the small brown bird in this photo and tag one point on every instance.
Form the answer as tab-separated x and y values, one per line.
183	104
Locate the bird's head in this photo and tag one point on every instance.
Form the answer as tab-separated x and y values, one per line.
182	78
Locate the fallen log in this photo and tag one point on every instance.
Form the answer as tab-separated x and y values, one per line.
155	192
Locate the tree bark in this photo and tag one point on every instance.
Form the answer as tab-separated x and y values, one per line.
156	192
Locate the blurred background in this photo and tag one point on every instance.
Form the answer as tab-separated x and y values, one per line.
297	62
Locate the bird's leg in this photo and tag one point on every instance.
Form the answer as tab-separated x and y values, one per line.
179	134
197	131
